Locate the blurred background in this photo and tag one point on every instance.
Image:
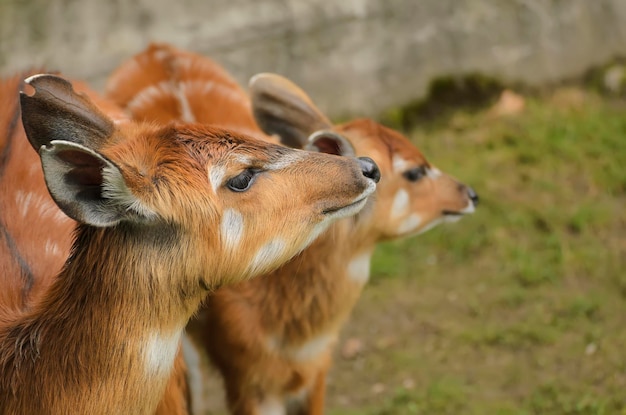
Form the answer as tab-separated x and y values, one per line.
518	309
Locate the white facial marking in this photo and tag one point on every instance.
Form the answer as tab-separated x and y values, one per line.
359	268
313	348
216	176
268	254
400	204
286	160
399	164
114	187
271	405
409	224
231	229
159	353
433	172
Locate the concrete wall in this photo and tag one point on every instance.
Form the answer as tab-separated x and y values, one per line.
353	56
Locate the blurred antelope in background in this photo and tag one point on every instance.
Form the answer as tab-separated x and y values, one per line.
272	338
166	213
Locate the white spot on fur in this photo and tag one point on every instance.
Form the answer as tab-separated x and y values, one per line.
313	348
267	255
433	173
409	224
286	160
400	204
399	164
160	352
359	268
231	229
308	351
114	187
271	405
216	176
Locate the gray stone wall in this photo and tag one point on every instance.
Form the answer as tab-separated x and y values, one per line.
355	57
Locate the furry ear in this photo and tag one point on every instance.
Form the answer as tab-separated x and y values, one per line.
280	107
331	143
87	187
56	112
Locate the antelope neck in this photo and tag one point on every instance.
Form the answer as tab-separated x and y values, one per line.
106	333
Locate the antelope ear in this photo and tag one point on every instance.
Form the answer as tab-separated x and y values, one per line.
331	143
280	107
56	112
86	186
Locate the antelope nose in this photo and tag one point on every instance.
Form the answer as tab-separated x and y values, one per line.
472	195
369	169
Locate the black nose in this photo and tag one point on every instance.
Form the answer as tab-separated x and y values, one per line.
472	195
369	168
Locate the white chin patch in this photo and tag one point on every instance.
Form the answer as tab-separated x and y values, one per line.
409	224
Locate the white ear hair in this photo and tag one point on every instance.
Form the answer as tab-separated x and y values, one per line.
88	187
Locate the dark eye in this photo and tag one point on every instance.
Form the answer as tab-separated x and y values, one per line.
415	174
242	181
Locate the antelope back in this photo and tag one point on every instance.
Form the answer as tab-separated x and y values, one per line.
242	206
164	84
35	236
412	196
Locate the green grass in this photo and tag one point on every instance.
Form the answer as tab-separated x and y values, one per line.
519	309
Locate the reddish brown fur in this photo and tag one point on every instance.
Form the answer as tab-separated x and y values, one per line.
150	87
81	346
26	269
252	330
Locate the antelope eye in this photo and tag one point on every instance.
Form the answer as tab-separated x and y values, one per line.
415	174
242	181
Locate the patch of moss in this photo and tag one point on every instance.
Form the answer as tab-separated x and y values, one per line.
445	95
